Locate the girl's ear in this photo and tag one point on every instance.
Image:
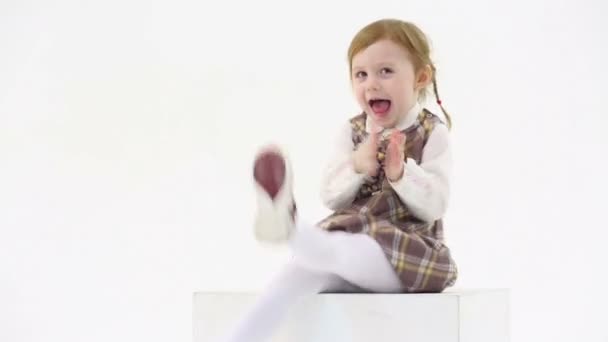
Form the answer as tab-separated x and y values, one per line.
424	77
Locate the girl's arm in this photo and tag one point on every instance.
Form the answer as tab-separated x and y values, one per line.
425	188
340	182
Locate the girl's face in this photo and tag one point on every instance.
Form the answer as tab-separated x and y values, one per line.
385	83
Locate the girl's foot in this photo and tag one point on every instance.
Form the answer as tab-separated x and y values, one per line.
276	207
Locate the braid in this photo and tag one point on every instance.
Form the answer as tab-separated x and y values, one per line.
447	116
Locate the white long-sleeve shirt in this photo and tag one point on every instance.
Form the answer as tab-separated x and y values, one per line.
424	188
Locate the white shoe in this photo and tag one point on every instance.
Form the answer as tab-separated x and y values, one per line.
276	209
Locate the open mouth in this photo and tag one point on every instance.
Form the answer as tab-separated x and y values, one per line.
380	107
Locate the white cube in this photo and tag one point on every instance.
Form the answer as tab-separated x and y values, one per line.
451	316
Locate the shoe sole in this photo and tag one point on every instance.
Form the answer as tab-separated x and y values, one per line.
273	188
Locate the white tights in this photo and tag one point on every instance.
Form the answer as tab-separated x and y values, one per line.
322	261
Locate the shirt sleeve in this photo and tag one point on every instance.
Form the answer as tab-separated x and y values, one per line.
425	188
340	182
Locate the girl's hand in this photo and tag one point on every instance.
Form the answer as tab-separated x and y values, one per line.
395	155
365	159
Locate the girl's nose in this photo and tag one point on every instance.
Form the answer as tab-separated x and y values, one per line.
372	85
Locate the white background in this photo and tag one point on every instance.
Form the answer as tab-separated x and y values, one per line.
127	130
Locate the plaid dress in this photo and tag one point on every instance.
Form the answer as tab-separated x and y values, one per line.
414	248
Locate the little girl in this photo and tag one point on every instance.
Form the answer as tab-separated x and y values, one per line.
388	185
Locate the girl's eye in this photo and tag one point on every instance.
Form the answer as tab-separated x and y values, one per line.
386	71
360	74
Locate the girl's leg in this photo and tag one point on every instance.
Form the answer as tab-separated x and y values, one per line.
323	261
356	258
291	284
